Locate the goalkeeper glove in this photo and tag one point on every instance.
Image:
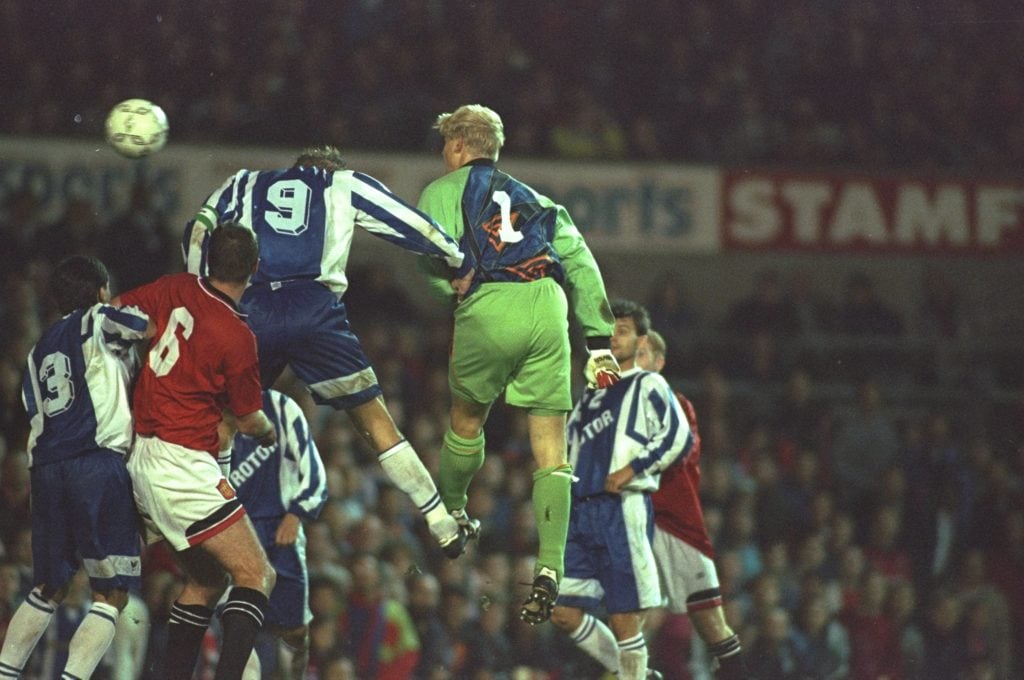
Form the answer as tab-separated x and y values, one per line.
602	370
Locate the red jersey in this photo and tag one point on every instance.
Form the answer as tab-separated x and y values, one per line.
677	501
201	361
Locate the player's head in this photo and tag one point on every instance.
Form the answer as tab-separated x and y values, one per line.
650	353
323	157
233	253
78	282
476	128
632	322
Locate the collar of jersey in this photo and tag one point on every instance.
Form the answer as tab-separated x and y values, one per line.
479	161
209	289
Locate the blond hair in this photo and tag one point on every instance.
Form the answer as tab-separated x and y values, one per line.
479	127
656	342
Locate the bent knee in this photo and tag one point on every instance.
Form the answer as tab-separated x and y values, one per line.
115	598
566	618
296	638
270	578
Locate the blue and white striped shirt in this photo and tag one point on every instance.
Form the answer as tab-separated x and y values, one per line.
75	385
286	477
304	219
636	422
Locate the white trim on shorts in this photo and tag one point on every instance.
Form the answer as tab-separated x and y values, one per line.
181	493
644	577
684	571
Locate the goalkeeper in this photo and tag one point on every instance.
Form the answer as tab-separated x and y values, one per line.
512	326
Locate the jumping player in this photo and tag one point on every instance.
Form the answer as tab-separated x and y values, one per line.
75	391
621	439
511	325
201	361
305	217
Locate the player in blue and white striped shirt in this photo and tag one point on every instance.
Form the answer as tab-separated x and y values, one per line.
280	486
75	390
620	441
305	217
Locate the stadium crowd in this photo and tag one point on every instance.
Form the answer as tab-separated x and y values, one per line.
856	537
933	85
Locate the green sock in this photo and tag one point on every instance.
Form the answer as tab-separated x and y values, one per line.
460	459
551	500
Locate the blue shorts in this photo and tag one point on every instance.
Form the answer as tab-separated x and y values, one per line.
608	555
83	513
289	601
304	325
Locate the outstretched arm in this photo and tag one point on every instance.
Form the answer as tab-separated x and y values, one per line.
385	215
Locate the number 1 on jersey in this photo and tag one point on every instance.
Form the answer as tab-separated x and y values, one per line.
507	233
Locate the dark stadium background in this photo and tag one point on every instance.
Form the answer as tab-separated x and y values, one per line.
778	334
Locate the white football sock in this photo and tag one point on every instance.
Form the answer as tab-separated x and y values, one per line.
633	658
406	471
26	627
596	639
90	641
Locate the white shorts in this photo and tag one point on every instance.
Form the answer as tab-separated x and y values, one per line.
689	579
181	493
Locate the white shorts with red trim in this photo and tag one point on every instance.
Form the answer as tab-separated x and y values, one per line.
181	493
689	580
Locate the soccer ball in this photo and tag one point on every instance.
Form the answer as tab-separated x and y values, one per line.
137	128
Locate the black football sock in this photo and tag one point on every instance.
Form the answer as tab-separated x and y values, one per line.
730	659
242	618
185	631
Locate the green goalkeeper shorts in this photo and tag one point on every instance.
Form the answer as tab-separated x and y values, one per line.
513	337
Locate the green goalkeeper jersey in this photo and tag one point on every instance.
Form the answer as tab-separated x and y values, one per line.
511	233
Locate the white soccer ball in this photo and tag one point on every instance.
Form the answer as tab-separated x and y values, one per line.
137	128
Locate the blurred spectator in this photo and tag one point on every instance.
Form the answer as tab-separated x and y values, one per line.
826	652
671	312
945	645
437	654
901	608
884	548
862	312
139	245
765	308
78	231
22	227
865	444
376	629
15	494
800	419
490	651
986	613
873	640
809	84
1006	567
777	650
738	537
587	130
942	311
